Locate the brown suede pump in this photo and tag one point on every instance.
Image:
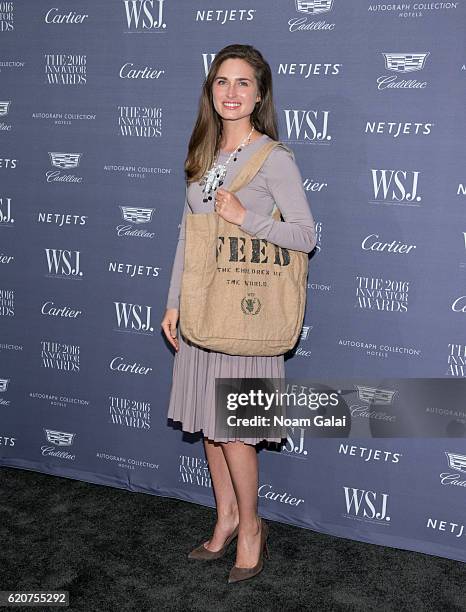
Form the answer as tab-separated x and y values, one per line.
203	554
243	573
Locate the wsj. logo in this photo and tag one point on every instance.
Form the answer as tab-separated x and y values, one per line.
294	446
402	63
207	59
4	107
395	187
63	263
134	317
369	506
144	15
308	125
5	212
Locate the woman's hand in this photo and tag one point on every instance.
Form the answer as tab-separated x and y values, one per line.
229	207
169	326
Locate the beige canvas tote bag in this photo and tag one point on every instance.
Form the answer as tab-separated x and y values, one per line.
241	295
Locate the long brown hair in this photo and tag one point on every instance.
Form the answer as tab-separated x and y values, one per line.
207	133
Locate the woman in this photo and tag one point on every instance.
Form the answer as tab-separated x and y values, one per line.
236	116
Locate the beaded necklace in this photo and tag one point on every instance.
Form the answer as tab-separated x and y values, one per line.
213	178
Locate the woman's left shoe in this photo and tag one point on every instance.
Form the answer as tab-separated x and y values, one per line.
243	573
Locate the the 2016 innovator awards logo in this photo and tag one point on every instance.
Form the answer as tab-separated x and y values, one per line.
456	360
139	121
7	16
65	69
379	294
7	302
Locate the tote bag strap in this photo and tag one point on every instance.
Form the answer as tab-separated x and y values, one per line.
252	167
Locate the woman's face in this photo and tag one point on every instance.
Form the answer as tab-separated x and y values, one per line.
235	90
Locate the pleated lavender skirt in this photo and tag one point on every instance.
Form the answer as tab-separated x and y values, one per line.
192	396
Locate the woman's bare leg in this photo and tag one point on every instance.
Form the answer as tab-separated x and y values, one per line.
225	498
243	467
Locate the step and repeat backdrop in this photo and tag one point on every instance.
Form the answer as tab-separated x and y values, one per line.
97	103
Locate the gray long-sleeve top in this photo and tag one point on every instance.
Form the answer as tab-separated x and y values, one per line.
279	180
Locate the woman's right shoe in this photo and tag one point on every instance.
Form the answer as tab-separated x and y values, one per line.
243	573
203	554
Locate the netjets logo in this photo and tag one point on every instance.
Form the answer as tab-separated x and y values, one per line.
144	16
65	161
395	187
59	438
367	506
136	214
4	107
308	126
250	304
402	63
